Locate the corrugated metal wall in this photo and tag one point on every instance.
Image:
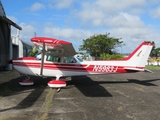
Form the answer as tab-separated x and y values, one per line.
4	44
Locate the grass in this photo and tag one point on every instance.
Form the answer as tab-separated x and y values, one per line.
46	106
152	67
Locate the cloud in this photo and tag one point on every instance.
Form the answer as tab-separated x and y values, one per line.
60	4
75	36
27	31
77	20
108	7
124	20
134	36
37	6
116	5
155	13
67	33
102	13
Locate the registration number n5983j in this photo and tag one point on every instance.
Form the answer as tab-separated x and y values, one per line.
105	68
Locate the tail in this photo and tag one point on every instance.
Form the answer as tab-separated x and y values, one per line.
138	58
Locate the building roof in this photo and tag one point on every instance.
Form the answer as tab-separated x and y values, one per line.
4	18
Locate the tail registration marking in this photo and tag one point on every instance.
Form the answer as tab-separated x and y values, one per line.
105	68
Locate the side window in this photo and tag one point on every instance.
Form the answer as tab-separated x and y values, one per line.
70	60
53	58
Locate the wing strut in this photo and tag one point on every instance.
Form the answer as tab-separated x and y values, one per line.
42	60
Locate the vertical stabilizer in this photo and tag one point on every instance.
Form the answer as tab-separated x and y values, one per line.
139	56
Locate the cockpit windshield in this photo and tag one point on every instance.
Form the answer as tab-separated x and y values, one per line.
79	59
38	56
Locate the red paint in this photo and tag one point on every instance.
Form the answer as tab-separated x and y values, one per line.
49	40
144	43
69	67
25	58
57	82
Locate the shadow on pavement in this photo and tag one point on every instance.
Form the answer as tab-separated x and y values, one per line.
89	87
85	84
92	88
140	82
13	88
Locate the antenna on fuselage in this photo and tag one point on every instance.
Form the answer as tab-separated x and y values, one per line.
35	34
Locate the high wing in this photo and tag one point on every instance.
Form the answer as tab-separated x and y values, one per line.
55	46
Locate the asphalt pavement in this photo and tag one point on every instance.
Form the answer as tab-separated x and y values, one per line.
131	96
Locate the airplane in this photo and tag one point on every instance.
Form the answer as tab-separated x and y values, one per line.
58	59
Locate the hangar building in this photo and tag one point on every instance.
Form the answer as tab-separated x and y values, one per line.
10	47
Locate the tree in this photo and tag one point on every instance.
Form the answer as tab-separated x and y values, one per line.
155	51
33	52
99	44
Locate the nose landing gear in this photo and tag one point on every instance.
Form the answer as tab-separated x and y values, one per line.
58	84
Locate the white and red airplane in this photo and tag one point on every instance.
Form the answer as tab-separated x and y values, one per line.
58	60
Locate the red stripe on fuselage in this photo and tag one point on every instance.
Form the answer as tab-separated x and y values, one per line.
75	67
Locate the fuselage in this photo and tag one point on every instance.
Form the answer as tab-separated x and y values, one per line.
72	67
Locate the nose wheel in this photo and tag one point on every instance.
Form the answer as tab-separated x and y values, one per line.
58	90
58	84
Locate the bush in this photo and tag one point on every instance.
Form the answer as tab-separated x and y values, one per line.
106	56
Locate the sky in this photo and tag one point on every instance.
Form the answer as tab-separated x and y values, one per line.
134	21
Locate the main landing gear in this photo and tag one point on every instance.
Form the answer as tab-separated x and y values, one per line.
26	81
55	83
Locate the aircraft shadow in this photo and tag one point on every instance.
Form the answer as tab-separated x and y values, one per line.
135	81
13	88
89	87
85	84
92	88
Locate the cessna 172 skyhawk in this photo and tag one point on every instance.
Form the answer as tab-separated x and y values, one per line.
58	60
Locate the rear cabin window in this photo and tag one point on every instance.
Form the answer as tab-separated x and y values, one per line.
69	60
53	58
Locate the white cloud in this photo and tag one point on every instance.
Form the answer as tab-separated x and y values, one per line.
67	33
124	20
155	13
134	36
37	6
115	5
115	12
27	31
153	2
91	14
107	7
61	4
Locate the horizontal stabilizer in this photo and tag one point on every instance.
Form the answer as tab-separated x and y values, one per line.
134	69
146	70
138	69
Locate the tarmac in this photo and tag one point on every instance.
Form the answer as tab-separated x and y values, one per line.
130	96
6	76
